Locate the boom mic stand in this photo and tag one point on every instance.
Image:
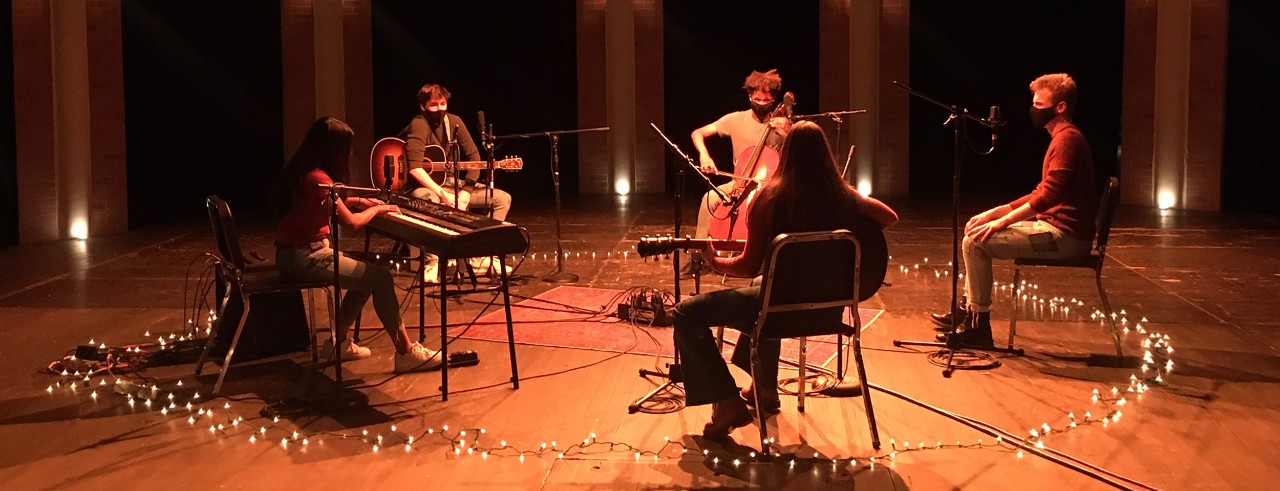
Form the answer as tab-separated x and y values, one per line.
673	374
835	117
559	275
486	142
952	345
338	400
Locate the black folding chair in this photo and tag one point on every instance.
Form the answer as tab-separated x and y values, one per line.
249	281
809	280
1106	213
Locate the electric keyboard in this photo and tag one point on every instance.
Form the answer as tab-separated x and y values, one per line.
448	232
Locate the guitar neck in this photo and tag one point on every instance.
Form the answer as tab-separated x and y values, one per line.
468	165
652	246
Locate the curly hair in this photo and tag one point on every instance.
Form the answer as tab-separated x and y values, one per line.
769	81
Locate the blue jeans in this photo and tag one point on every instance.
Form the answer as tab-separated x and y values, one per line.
1025	239
314	262
706	375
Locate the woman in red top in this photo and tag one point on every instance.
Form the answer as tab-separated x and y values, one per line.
302	245
805	194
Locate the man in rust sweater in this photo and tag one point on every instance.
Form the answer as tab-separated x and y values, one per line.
1056	220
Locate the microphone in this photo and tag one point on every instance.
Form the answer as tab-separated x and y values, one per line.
994	122
484	133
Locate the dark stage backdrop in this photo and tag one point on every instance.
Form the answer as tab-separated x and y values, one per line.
516	61
711	46
202	105
8	139
978	54
1251	159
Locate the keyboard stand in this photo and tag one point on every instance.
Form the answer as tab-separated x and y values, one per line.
444	294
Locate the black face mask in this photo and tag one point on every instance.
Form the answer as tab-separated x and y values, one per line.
1041	116
761	110
434	117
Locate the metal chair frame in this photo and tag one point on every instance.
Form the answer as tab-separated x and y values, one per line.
1094	261
807	273
250	281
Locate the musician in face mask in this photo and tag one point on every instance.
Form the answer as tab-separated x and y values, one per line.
743	128
429	134
1056	220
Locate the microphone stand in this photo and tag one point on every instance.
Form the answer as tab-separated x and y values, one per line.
559	275
952	345
673	374
339	400
450	145
486	142
724	198
835	117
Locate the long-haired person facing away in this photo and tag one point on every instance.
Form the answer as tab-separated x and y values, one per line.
805	194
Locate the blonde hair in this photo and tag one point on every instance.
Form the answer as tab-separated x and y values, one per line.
1061	85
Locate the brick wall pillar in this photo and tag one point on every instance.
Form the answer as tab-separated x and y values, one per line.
1174	85
297	71
594	173
357	37
327	70
864	47
620	84
69	110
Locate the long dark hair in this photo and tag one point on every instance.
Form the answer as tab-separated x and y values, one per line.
807	191
327	147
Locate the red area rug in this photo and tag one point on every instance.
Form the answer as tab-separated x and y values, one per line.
577	317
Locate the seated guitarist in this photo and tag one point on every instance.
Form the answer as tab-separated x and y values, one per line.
435	126
806	193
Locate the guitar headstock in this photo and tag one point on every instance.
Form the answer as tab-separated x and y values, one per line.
509	163
655	246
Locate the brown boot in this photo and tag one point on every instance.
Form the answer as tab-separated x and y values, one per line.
725	416
771	403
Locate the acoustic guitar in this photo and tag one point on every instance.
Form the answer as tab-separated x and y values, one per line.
875	252
432	159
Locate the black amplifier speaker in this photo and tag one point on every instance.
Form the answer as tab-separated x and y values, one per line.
277	325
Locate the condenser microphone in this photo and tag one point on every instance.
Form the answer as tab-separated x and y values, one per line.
484	132
994	122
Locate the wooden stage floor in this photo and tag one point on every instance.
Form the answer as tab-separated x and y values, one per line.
1210	283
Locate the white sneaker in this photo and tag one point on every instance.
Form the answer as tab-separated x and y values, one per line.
418	359
350	350
431	273
487	266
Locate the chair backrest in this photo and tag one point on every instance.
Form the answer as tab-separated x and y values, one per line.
809	278
224	232
1107	213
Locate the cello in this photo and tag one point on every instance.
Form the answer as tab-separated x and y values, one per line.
755	166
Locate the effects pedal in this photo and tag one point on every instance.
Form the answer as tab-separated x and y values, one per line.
646	307
463	359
